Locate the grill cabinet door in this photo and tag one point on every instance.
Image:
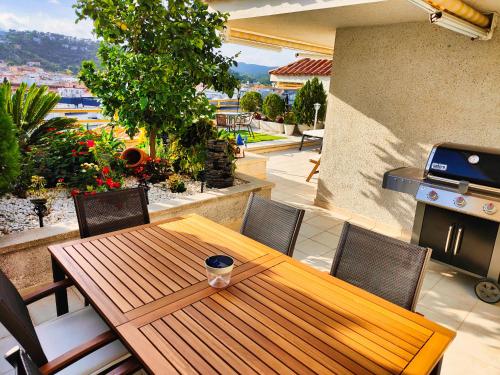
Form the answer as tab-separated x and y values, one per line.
475	244
470	239
438	232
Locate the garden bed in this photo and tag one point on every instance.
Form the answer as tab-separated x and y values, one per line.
16	214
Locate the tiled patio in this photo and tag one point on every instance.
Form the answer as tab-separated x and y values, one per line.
447	297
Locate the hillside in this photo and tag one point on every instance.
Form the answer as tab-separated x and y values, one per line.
58	53
55	52
252	72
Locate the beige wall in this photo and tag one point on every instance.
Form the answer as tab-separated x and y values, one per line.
395	91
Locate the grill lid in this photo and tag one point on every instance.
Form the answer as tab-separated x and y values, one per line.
477	165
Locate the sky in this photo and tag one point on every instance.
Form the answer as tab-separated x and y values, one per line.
57	16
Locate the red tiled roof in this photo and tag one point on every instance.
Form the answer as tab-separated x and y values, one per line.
305	67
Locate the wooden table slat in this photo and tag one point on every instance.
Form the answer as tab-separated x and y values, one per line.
177	265
103	283
346	342
231	344
276	316
336	318
362	308
134	262
205	249
128	282
154	265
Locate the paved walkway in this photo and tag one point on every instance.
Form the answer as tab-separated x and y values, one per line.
447	297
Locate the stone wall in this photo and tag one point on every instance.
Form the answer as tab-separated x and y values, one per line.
24	257
395	91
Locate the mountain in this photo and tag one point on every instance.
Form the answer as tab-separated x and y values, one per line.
55	52
252	72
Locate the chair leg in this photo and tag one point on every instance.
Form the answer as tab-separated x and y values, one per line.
61	295
314	170
250	130
321	146
302	142
437	369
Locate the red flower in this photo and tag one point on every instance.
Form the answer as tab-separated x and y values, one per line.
81	143
90	143
86	193
83	153
117	185
109	182
99	181
60	180
50	129
75	192
93	193
149	158
74	153
105	170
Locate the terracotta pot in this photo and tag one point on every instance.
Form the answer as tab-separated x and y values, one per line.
134	157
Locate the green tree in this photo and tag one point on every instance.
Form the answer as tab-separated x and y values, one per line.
28	108
251	101
312	92
153	54
9	150
273	106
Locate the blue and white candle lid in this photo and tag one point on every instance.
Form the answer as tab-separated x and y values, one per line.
219	264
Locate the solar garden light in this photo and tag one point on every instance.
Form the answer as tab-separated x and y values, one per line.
317	106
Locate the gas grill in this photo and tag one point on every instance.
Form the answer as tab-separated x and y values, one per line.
458	210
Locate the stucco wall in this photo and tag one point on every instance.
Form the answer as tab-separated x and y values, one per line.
396	90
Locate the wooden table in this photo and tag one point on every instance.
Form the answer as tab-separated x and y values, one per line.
277	316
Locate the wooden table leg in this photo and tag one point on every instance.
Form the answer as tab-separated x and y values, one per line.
314	170
61	295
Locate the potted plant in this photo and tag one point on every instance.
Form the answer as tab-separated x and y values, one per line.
289	123
257	117
311	93
273	107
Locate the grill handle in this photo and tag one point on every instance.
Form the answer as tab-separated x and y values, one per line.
458	240
448	238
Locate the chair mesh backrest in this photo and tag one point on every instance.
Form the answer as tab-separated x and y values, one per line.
384	266
221	120
16	319
272	223
110	211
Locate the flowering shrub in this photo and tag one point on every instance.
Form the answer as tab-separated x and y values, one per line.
154	170
71	157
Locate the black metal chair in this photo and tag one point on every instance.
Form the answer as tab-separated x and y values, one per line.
75	343
272	223
384	266
110	211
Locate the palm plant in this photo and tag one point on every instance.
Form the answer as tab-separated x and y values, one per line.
28	107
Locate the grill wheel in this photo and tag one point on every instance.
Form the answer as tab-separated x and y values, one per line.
487	291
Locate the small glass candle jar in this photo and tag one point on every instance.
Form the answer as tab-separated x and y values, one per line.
219	268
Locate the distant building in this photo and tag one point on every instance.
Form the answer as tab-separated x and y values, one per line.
294	75
33	63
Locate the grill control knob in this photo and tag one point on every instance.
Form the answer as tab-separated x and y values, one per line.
489	208
433	195
460	201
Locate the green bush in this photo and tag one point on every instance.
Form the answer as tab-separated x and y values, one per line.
251	101
9	150
273	106
290	118
303	106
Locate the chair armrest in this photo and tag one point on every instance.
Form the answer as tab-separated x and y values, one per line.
46	291
72	356
129	366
